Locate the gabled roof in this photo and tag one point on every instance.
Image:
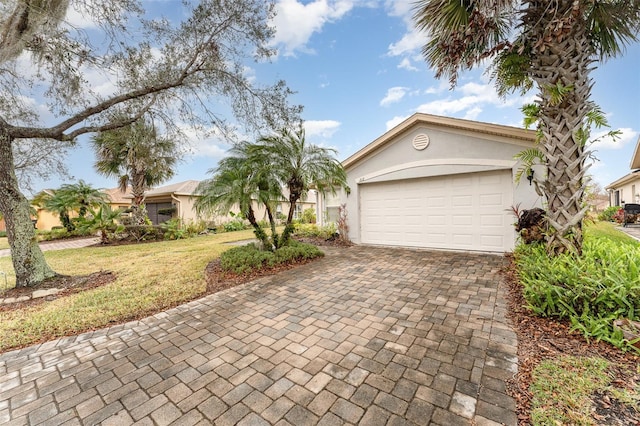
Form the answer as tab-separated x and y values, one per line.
515	134
187	187
635	158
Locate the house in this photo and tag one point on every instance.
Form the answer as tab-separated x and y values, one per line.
627	188
440	183
177	201
119	199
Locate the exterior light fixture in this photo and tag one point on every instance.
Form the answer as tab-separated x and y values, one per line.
530	175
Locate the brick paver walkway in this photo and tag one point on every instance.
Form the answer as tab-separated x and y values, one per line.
60	245
366	336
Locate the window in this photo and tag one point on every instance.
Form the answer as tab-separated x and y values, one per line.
297	212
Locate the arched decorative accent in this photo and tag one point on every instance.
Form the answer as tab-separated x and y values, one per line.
493	163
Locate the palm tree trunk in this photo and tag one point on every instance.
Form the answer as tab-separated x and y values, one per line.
257	230
272	222
563	60
138	210
29	263
289	228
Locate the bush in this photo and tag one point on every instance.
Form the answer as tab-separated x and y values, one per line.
3	234
591	291
60	233
609	213
245	259
308	215
233	225
143	233
314	231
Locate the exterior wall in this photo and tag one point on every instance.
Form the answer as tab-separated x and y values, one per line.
47	220
627	193
450	151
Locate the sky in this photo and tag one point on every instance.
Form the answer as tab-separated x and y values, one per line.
356	67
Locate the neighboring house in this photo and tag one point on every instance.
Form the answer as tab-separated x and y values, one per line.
627	188
438	182
181	198
119	199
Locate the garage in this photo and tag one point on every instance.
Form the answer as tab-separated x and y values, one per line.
461	212
439	183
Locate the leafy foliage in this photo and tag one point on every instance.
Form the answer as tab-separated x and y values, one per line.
244	259
591	291
609	213
313	230
104	220
257	173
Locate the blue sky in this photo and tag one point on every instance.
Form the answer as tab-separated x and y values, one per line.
357	70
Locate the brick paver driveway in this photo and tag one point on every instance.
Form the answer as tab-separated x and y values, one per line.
365	336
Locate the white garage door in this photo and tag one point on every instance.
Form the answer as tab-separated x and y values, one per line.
461	212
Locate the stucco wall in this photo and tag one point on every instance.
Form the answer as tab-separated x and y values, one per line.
629	193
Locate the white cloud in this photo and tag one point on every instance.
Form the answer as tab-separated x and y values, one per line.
77	19
406	64
408	44
474	97
627	135
394	94
322	128
395	121
296	22
209	143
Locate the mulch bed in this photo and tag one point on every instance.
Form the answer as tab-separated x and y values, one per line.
544	338
66	283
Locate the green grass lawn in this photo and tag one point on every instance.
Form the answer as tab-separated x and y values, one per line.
4	243
150	277
608	230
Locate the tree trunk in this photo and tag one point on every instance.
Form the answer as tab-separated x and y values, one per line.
138	210
562	61
28	261
289	228
259	232
272	222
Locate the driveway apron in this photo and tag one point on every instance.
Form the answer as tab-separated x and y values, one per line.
366	335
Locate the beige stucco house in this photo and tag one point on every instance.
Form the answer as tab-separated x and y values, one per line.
627	188
181	197
438	182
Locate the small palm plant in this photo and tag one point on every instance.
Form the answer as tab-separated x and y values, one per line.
104	220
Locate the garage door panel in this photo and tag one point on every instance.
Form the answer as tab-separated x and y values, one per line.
467	212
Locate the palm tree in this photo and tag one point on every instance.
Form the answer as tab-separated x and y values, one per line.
549	44
238	181
58	202
82	196
298	166
137	156
104	219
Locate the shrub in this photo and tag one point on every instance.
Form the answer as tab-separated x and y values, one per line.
314	231
245	259
308	216
3	234
143	233
591	291
608	213
234	225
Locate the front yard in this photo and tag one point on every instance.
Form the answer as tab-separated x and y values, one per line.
149	277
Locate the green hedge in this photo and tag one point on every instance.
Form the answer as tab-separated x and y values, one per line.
244	259
591	291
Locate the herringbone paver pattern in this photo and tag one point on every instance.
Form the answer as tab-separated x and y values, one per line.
365	336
